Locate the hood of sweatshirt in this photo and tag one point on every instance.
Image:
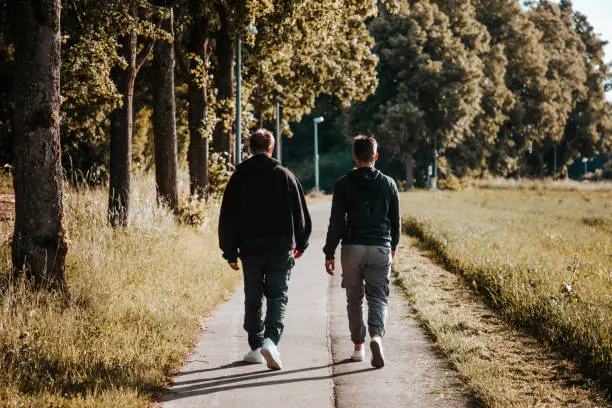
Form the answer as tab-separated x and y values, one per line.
258	163
367	177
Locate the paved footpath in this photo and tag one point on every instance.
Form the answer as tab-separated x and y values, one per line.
314	350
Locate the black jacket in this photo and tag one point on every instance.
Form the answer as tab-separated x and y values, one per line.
263	210
365	211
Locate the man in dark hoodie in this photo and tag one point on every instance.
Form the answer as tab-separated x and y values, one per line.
265	222
365	215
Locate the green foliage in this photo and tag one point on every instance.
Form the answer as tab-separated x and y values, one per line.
220	170
143	151
497	85
92	33
429	89
324	48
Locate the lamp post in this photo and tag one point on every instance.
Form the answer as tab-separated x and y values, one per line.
586	166
555	162
432	171
253	31
278	136
316	121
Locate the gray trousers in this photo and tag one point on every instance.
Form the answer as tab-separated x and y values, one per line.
365	270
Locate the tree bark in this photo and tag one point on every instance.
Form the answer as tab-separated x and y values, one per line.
409	164
121	137
225	52
197	152
164	120
39	239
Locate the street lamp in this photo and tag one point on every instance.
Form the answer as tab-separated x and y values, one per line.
555	162
252	30
433	182
316	121
586	165
278	136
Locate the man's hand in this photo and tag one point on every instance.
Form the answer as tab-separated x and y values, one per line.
234	266
330	265
392	254
297	254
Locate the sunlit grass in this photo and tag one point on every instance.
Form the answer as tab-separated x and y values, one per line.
137	296
543	257
499	366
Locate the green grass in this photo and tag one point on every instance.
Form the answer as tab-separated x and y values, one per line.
543	257
137	296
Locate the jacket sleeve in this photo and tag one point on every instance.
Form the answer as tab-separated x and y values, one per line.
394	216
302	224
337	222
228	228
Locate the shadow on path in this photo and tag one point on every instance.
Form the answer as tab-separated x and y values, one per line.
204	386
223	367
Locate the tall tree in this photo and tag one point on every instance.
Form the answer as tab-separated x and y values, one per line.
321	47
565	76
122	118
470	157
39	242
430	84
201	112
589	126
510	27
164	117
225	81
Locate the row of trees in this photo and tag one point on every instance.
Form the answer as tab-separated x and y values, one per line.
496	88
483	82
178	57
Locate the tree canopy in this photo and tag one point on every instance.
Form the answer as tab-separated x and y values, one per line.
492	87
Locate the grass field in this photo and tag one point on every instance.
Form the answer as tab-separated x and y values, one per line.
137	296
543	257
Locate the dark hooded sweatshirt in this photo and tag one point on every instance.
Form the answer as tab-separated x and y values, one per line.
263	210
365	211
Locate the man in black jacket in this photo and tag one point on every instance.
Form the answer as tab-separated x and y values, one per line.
365	215
265	222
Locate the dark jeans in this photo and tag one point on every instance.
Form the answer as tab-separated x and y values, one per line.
265	275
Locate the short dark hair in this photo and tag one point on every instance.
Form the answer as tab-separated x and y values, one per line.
365	148
261	141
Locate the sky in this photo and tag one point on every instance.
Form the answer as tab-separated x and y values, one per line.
599	13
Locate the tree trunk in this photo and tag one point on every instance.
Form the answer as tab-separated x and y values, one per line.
409	164
540	157
197	152
121	137
39	242
164	120
225	83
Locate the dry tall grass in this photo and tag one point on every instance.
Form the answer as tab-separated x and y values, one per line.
543	257
137	296
500	366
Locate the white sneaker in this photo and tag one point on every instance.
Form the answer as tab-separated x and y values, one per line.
271	354
378	358
254	357
358	355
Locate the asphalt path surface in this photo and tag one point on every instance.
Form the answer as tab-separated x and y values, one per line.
315	349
